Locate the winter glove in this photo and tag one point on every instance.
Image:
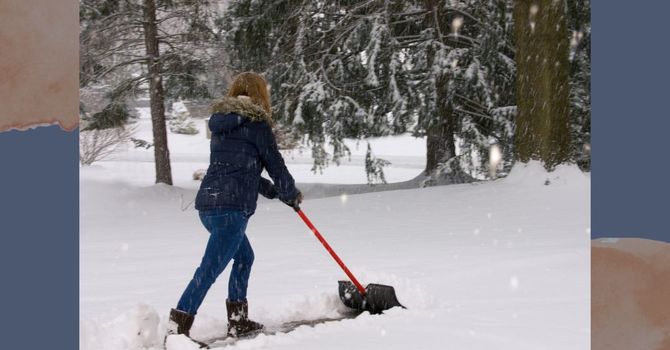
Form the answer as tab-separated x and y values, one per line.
295	202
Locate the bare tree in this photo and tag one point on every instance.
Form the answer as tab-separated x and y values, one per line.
166	46
156	95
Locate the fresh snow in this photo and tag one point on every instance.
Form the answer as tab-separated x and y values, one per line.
492	265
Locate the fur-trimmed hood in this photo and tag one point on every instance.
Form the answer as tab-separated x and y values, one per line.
243	106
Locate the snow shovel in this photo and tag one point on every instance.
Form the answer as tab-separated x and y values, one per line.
375	298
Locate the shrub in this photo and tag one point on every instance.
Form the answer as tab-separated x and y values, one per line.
182	124
98	144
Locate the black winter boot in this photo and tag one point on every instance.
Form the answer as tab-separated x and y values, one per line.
239	323
180	322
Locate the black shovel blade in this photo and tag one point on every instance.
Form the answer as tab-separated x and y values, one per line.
378	297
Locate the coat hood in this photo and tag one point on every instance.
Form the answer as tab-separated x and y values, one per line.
242	106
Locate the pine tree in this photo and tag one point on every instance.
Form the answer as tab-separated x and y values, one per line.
579	23
470	74
374	68
374	167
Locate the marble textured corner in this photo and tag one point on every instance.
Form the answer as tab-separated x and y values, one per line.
39	64
630	294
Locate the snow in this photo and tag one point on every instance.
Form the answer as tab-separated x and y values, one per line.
499	288
493	265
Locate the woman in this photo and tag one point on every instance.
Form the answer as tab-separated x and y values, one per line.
242	146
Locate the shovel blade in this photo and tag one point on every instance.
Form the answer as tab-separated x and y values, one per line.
378	297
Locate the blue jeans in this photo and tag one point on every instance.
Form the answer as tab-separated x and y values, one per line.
227	241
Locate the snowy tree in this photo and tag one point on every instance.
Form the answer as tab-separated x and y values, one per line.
579	23
440	69
374	167
466	61
166	45
543	88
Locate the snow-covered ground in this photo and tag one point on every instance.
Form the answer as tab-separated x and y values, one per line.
497	265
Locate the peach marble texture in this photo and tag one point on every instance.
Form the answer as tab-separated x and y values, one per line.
39	63
630	294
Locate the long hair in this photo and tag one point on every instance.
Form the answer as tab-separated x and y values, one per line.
254	86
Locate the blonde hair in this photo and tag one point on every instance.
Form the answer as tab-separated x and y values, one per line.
254	86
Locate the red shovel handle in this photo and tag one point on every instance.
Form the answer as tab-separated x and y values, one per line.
331	251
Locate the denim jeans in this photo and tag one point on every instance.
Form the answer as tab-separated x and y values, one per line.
227	241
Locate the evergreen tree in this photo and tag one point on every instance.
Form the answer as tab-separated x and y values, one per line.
466	62
579	23
373	68
374	167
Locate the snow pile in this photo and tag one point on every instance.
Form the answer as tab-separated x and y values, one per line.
492	265
534	174
138	328
180	342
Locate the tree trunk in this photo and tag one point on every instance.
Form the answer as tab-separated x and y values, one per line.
542	126
157	95
440	142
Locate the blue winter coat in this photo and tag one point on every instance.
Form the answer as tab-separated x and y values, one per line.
242	146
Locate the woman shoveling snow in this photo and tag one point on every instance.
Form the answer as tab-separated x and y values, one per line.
242	146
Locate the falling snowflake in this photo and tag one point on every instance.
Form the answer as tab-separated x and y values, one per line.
514	282
456	25
495	156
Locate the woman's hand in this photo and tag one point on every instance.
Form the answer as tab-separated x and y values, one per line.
295	202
